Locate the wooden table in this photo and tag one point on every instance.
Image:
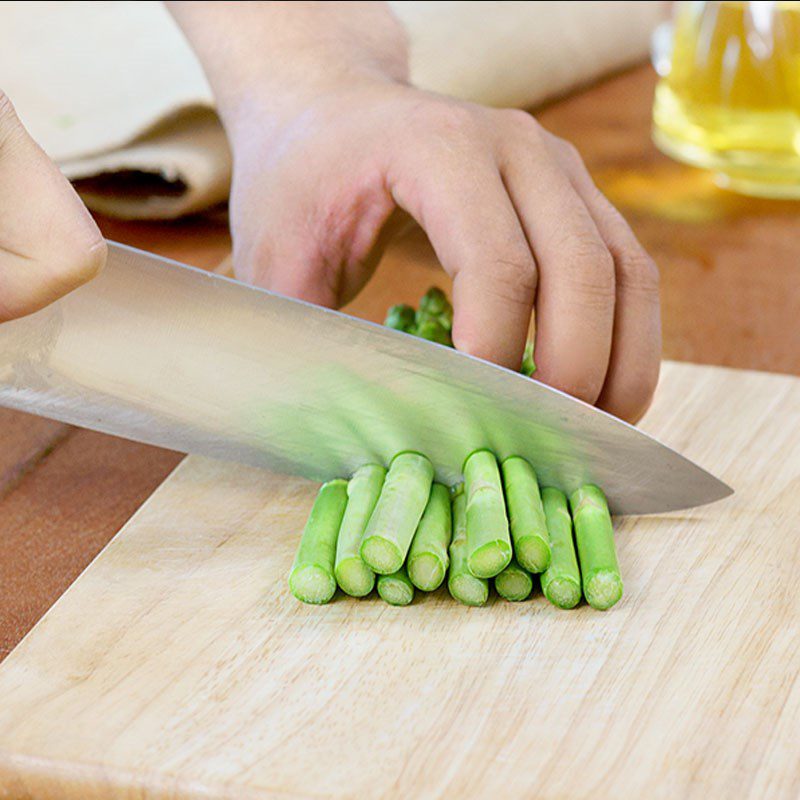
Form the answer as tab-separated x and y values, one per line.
731	295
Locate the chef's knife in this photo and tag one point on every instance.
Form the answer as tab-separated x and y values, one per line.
170	355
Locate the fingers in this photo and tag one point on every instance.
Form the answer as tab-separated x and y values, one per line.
468	217
49	243
636	350
576	294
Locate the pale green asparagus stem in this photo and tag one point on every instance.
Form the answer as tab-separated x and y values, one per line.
461	583
488	540
514	582
311	579
396	589
352	574
526	515
594	534
561	581
428	559
397	513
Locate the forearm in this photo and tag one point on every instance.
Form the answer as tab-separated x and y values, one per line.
291	52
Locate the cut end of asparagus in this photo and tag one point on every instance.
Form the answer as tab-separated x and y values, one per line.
562	592
533	553
381	555
468	590
395	590
513	584
312	584
603	589
426	571
490	559
355	577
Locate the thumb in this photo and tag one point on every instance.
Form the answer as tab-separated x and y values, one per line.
49	244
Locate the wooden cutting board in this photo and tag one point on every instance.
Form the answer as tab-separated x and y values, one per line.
178	665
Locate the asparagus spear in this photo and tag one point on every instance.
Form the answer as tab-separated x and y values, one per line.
352	574
401	317
396	589
526	515
431	329
528	364
488	541
397	513
594	534
561	581
434	303
428	559
311	579
461	583
514	582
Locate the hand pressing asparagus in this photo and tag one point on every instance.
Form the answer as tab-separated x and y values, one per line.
403	526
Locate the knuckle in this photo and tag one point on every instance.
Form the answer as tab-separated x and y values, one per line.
514	277
452	119
638	272
590	267
525	123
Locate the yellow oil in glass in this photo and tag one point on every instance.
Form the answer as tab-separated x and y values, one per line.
730	98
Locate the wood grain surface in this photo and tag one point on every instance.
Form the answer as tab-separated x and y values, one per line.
179	666
731	295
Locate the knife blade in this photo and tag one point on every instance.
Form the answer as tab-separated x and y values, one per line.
169	355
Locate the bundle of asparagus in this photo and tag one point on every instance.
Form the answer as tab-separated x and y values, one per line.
403	531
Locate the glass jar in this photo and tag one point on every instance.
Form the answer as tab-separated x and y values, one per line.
729	94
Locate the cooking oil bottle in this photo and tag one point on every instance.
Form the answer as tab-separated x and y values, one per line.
729	96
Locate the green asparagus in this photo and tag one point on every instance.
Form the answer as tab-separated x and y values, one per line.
594	534
561	581
514	582
488	540
526	515
428	559
397	513
311	579
352	574
461	583
528	364
396	589
401	317
434	304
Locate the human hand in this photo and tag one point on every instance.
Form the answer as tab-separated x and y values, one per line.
327	156
49	244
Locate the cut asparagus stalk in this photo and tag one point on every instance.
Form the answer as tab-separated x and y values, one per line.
594	534
401	317
428	559
397	513
561	581
526	515
461	583
311	579
514	582
396	589
488	540
352	574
